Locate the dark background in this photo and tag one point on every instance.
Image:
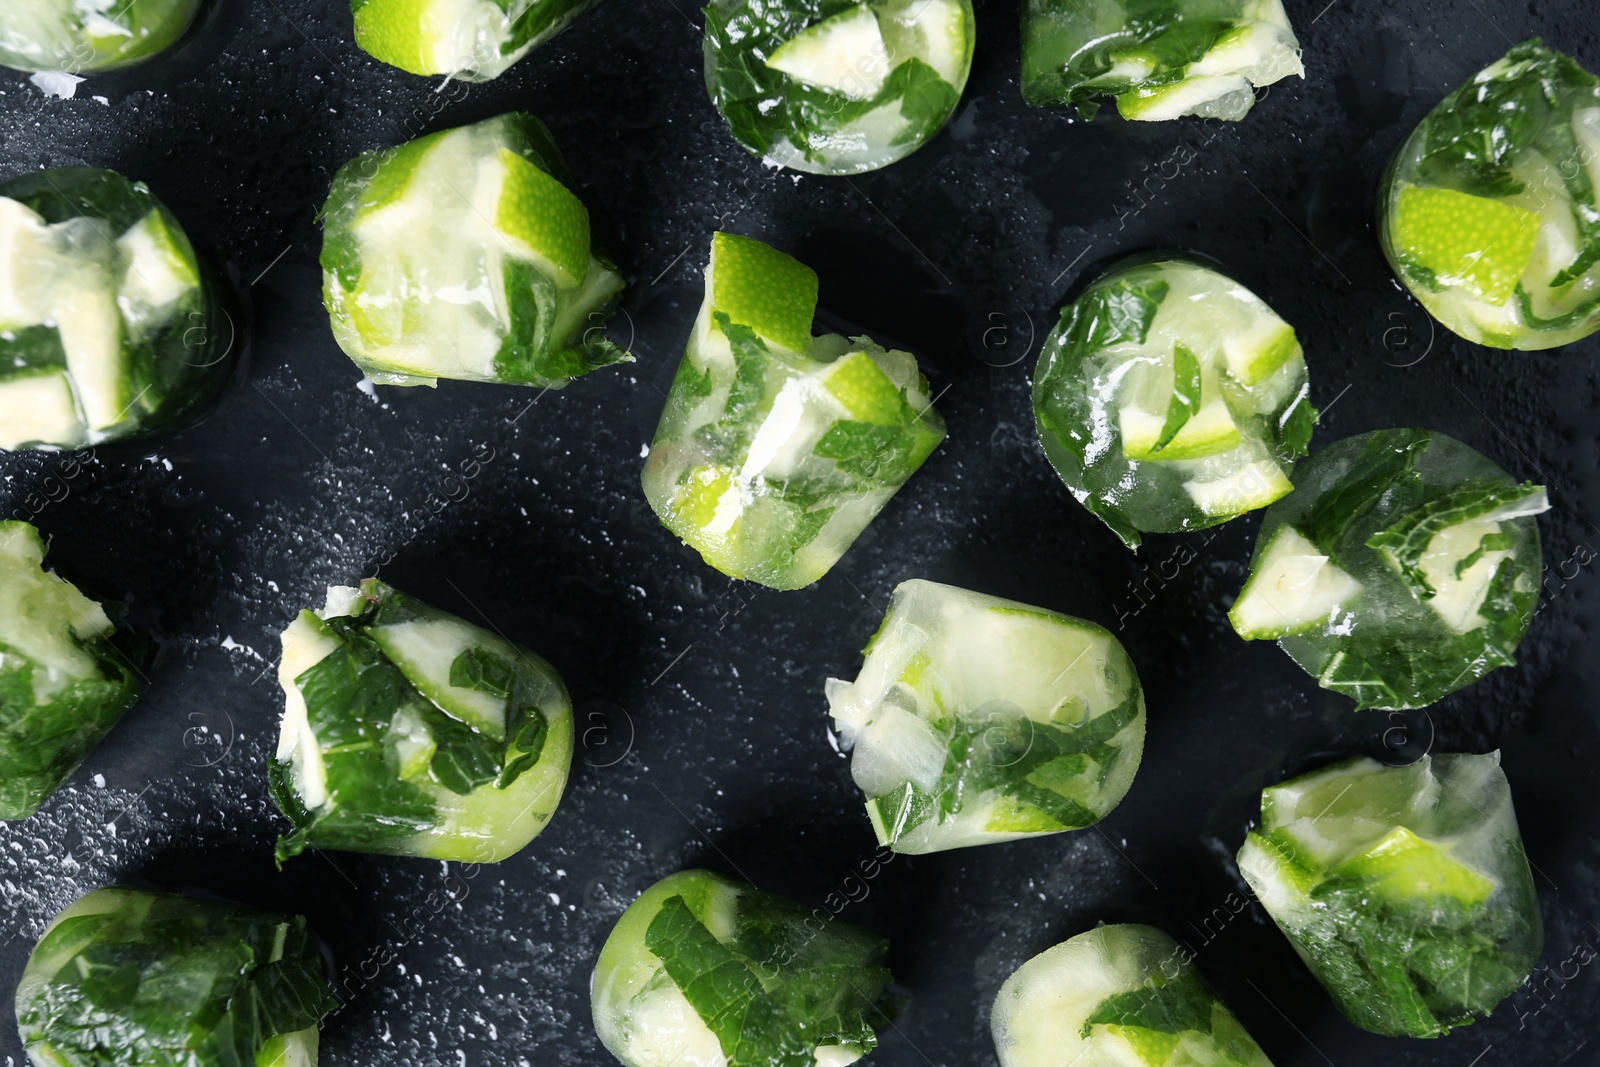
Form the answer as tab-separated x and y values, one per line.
703	732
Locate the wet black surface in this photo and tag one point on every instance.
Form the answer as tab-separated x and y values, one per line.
702	723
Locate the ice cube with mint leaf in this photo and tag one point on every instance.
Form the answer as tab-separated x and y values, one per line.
411	732
1405	890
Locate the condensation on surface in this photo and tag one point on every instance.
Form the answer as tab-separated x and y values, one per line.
700	720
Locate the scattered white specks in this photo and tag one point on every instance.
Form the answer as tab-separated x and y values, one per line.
57	83
231	645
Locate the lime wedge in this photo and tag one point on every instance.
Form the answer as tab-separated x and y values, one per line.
868	394
1461	238
1406	868
1215	96
1352	788
1253	486
697	500
392	179
934	31
1255	352
1209	431
844	53
91	336
38	407
1292	588
159	265
1011	816
540	214
757	286
406	33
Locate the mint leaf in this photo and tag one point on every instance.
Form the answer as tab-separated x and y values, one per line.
480	669
525	738
763	106
155	978
1185	402
925	99
1295	429
728	436
464	759
1385	465
1472	138
1166	1007
1404	541
1029	760
1063	50
724	992
885	455
1111	313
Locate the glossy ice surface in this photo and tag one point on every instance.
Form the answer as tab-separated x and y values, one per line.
408	731
702	971
1404	889
1158	59
132	978
1117	996
777	448
63	683
473	40
837	86
1489	212
110	327
1171	398
465	255
1405	566
976	719
85	36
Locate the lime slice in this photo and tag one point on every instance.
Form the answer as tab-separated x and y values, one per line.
697	504
1173	410
91	336
540	214
866	392
1461	238
1359	787
844	53
1152	1047
1253	486
1209	431
38	407
1408	869
159	266
411	34
757	286
1253	353
1217	96
1270	866
392	179
1292	588
934	31
1012	816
